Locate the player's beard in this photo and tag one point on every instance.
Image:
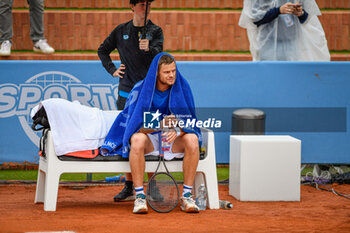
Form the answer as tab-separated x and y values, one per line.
165	83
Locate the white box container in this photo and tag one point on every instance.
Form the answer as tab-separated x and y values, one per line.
265	168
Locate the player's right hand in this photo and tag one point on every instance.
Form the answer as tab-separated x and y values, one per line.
119	72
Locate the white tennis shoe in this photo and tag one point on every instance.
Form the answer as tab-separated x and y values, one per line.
43	47
5	49
140	204
188	204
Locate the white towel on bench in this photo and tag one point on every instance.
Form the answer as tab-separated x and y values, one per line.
76	127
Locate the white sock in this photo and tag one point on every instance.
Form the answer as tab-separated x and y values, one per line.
139	190
186	189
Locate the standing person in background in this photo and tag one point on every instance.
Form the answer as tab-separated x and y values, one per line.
284	30
136	54
36	13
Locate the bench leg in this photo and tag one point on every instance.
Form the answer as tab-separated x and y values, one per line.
212	190
40	187
51	190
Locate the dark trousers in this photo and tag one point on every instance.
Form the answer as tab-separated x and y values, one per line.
36	15
121	103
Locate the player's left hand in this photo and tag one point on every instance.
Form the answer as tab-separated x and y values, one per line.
171	135
144	44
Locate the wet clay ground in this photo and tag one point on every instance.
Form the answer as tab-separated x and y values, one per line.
92	210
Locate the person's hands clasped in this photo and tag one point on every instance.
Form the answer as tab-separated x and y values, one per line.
287	8
290	8
298	9
119	72
144	44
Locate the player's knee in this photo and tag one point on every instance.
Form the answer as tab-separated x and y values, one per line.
138	141
191	142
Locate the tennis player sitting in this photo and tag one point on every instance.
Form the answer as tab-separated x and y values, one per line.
164	93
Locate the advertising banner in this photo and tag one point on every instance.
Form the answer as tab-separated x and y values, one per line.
309	101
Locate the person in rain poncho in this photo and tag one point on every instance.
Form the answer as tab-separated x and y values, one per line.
282	30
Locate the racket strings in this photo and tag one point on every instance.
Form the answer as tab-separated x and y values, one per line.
162	193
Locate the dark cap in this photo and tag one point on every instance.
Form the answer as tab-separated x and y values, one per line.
137	1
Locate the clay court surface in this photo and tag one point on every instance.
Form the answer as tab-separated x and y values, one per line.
91	210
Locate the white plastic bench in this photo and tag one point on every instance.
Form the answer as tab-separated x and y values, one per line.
51	168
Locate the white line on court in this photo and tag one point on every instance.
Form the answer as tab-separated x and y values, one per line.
52	232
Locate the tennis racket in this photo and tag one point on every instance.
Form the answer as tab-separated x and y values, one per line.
162	190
